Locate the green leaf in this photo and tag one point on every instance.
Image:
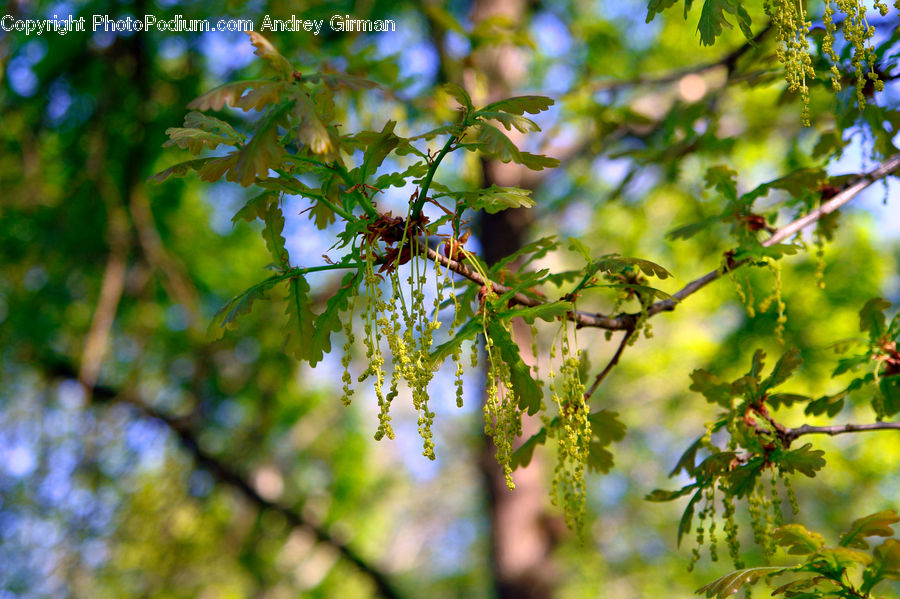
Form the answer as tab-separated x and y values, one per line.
467	331
496	144
872	319
399	179
379	149
547	312
522	456
181	169
805	460
459	94
272	234
259	94
783	370
830	404
301	322
494	199
527	391
742	480
242	303
256	207
537	250
684	525
689	230
519	105
599	459
712	19
614	263
731	583
723	179
838	559
661	495
215	168
330	320
757	364
198	120
798	540
776	400
194	140
312	130
521	123
886	563
224	95
890	394
606	426
709	385
877	524
339	81
657	6
688	459
576	245
261	153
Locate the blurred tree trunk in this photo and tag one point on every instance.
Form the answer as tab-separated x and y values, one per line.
521	533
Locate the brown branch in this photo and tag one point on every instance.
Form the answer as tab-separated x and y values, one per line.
791	434
612	362
627	321
845	195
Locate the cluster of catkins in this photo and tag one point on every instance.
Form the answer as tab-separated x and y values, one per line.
789	19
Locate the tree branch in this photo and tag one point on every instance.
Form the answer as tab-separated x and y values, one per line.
845	195
627	321
728	61
612	362
791	434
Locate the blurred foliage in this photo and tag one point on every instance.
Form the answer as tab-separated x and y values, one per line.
104	490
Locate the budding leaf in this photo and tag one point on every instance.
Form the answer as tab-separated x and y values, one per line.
261	153
181	169
496	144
731	583
872	319
522	456
798	540
330	320
712	19
723	179
519	105
266	51
547	312
783	370
877	524
805	460
379	149
301	319
227	315
709	385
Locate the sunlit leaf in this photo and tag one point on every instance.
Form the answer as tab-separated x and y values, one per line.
873	525
797	539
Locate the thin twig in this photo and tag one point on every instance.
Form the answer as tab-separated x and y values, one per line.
627	321
728	61
838	429
612	362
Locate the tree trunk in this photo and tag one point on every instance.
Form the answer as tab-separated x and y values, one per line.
521	531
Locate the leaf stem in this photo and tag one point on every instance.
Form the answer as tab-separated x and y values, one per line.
319	198
426	183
